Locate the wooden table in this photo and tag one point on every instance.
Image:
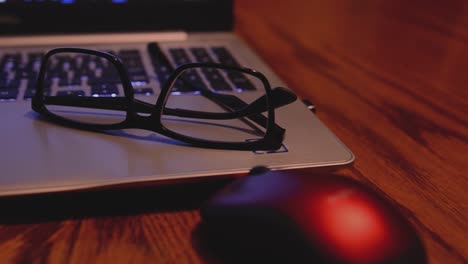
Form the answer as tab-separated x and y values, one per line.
389	78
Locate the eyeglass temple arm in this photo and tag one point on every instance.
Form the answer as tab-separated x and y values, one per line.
230	102
239	108
279	97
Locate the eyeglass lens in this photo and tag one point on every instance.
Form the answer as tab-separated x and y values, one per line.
211	90
77	75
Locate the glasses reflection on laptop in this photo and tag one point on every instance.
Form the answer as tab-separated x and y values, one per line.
199	103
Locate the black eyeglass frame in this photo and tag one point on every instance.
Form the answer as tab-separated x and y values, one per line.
271	140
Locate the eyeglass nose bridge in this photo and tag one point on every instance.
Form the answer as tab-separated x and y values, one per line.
148	121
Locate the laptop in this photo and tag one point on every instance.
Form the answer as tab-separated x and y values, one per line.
39	156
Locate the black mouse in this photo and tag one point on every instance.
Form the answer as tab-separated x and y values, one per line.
289	217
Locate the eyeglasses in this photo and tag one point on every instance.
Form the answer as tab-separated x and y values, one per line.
196	103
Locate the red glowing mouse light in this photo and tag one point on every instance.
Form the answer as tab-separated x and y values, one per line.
316	218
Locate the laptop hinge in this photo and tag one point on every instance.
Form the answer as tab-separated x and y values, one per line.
83	39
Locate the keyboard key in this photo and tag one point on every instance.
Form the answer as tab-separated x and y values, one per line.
216	80
105	89
240	81
220	85
110	74
201	55
30	92
71	93
162	69
84	73
32	82
224	56
10	61
129	53
182	87
179	56
26	73
35	56
82	62
9	84
100	80
143	91
60	75
70	82
163	78
141	78
191	76
9	94
133	63
4	77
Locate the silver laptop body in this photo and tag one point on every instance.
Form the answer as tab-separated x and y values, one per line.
38	156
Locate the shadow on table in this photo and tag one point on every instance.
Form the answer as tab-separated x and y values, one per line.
265	245
118	201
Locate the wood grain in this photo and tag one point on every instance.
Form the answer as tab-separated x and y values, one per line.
388	77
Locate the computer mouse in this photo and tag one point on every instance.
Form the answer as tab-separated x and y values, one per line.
291	217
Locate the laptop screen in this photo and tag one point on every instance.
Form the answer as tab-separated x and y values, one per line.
81	16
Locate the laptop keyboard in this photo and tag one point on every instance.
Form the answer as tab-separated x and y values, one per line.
19	70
